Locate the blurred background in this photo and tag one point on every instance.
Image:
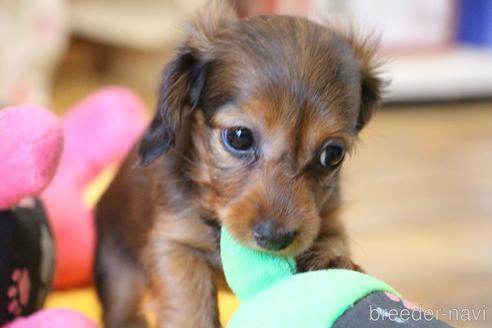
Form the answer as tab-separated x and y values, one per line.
418	191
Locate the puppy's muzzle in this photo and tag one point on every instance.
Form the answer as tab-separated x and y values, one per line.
269	235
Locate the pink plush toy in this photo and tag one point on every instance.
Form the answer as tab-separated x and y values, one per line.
53	318
98	132
30	148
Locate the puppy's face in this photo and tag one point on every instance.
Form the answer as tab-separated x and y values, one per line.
264	111
274	166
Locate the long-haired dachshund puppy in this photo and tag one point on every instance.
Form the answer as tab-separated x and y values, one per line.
253	123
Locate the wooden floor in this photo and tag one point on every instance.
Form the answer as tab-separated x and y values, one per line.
419	205
418	194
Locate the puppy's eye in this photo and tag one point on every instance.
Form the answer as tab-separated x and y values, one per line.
239	139
332	154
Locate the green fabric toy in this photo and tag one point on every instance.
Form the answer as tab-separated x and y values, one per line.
272	295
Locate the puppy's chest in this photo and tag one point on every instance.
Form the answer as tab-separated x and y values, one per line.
198	234
213	254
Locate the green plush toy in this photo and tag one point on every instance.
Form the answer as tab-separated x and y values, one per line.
272	294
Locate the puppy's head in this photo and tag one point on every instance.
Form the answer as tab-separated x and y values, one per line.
264	111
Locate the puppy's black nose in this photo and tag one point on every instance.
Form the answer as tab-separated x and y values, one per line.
269	235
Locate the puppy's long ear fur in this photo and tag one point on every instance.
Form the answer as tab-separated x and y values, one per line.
371	96
371	84
183	81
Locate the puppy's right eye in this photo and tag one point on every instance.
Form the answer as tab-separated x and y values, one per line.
238	139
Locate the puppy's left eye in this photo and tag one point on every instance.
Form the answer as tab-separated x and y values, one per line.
332	154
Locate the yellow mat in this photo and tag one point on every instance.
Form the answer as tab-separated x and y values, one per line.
84	300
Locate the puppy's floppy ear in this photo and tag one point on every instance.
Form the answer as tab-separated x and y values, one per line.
371	84
180	91
183	81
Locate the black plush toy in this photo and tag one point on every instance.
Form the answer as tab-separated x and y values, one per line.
26	260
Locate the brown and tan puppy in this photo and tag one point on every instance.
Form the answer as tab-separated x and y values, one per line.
253	123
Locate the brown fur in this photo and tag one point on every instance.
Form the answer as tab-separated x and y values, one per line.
296	84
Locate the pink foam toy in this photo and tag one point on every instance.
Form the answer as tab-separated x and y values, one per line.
30	147
99	131
53	318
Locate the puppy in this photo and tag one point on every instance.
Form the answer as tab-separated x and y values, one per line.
254	120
